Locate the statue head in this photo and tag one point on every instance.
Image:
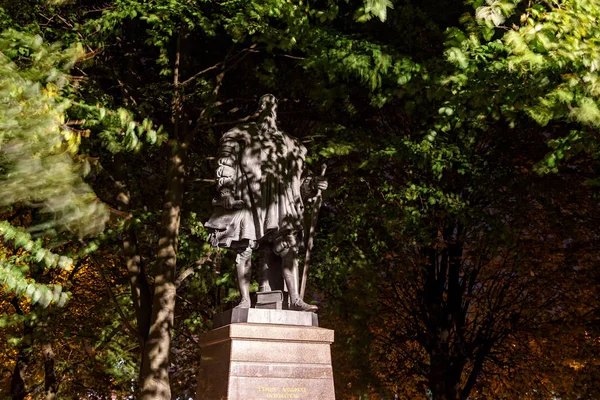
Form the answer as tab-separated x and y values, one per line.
267	107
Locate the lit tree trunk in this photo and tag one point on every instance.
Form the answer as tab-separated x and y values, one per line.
155	362
154	374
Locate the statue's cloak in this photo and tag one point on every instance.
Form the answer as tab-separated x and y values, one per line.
267	179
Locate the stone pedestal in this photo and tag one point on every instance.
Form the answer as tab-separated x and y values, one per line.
265	316
260	361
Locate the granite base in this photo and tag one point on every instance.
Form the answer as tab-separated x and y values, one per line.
252	361
265	316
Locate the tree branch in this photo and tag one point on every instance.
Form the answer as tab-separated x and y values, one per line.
184	274
217	65
243	54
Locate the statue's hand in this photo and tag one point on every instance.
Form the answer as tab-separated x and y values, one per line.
283	244
320	183
227	201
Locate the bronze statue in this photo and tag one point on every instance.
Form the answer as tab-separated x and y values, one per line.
261	182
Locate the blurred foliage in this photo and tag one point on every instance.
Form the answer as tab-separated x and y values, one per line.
37	166
37	145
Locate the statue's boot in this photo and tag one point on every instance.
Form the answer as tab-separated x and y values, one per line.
245	303
300	305
243	266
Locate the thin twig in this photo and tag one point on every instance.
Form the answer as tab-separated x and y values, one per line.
98	10
290	56
76	78
122	84
217	65
47	19
237	121
75	122
65	21
89	55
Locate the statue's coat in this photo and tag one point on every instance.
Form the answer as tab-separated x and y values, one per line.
266	168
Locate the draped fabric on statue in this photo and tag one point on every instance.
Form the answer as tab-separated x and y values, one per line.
267	167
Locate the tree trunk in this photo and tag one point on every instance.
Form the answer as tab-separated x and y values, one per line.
154	374
140	290
17	383
50	382
444	295
437	323
18	390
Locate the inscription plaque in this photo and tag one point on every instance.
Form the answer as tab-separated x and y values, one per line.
284	392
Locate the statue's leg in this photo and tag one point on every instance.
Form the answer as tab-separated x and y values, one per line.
290	274
263	270
270	275
243	265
